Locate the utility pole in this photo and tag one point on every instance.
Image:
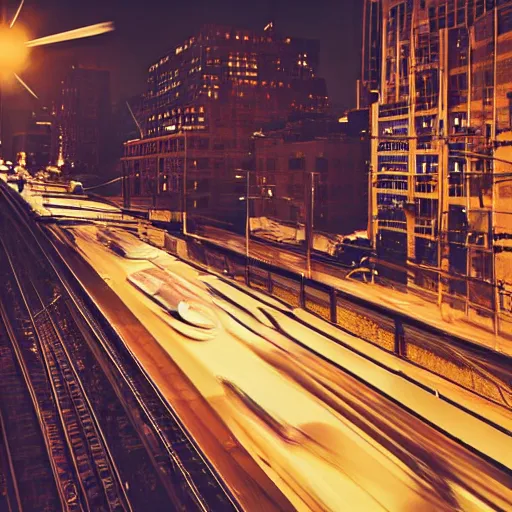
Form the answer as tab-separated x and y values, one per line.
184	201
496	295
310	206
247	226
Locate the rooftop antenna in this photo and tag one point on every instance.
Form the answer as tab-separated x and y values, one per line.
270	26
135	119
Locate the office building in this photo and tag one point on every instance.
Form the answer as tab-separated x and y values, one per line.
204	101
368	85
84	117
441	151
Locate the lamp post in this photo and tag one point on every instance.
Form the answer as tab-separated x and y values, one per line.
239	175
15	47
309	228
184	201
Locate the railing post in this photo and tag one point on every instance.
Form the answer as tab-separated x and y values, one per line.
302	298
333	303
399	338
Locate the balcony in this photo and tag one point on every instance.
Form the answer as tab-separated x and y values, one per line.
426	184
393	225
425	226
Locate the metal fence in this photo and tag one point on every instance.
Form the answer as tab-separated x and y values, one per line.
479	370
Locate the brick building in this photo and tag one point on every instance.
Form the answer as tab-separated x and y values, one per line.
312	163
441	207
204	101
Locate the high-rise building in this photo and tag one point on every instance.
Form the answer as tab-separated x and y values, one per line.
84	117
204	101
368	86
441	197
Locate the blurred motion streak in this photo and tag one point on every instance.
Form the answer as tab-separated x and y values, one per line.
323	436
78	33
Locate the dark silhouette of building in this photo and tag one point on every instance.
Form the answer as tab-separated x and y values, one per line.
204	101
38	141
441	138
84	117
313	163
368	85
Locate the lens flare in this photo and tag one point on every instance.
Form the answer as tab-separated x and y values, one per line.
20	6
78	33
26	86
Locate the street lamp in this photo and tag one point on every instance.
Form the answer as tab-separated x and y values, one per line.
240	175
15	44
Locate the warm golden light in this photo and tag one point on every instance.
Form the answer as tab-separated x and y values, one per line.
78	33
13	50
26	86
18	10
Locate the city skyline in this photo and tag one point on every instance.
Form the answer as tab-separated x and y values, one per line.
127	57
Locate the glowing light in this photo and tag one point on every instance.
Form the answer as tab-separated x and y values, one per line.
78	33
17	14
13	53
27	88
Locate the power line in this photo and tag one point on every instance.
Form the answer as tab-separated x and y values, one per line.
104	184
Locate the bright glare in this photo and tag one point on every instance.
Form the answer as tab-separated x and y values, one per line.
13	52
26	86
78	33
20	6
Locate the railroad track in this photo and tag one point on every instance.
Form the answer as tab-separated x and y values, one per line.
25	461
24	344
120	445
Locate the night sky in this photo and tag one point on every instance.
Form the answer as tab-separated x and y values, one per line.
145	29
